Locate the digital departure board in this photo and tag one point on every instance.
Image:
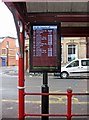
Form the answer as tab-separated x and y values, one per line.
45	47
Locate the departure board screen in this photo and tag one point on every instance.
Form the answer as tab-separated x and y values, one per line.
44	47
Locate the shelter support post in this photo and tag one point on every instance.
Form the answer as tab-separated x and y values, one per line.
21	78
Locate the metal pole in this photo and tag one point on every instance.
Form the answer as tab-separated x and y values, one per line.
45	98
21	79
7	56
7	51
69	95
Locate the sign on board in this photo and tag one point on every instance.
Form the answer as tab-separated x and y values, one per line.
45	47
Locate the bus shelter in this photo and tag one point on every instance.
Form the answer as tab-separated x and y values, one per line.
73	21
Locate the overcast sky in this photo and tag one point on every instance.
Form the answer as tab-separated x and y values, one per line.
7	26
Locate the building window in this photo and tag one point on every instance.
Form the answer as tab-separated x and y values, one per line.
3	51
71	52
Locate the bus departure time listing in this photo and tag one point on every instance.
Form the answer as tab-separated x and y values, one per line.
44	45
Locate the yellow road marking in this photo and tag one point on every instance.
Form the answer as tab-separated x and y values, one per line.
50	101
53	99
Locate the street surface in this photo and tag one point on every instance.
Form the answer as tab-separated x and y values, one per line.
57	104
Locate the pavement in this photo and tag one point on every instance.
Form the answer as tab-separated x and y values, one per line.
9	70
13	70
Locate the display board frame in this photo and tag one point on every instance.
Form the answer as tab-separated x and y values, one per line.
43	68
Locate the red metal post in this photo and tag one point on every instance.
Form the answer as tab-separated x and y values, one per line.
21	78
69	101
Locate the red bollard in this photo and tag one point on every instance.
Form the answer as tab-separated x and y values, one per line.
69	104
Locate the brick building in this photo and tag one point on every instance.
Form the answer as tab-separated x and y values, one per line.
8	52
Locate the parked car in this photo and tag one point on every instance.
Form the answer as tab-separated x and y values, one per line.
77	67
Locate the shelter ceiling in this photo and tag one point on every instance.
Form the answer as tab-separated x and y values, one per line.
56	7
74	16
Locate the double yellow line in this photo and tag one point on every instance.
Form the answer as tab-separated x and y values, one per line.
61	100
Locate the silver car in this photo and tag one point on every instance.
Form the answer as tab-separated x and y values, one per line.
77	67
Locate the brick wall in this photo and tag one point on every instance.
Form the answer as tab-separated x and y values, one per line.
12	49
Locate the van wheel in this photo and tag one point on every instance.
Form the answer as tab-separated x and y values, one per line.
64	75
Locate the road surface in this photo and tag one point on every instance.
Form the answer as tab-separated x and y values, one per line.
57	104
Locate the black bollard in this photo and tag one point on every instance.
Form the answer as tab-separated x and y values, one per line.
45	98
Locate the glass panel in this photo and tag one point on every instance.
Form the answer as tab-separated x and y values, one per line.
71	52
85	62
74	64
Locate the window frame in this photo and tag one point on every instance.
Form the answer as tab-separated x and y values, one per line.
3	51
74	46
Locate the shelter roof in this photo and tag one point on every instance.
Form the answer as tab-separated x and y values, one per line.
72	15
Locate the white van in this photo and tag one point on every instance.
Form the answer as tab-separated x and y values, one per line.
77	67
